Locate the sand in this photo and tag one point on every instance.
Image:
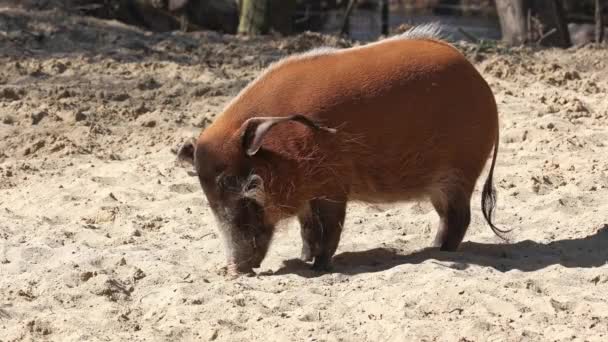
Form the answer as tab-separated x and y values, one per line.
104	238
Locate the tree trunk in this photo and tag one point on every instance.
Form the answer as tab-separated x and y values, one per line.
345	31
547	24
512	16
260	16
384	15
599	22
254	17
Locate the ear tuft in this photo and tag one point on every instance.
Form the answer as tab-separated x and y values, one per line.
254	189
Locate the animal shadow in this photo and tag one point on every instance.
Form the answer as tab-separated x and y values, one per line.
526	256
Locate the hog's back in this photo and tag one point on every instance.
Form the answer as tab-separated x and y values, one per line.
408	113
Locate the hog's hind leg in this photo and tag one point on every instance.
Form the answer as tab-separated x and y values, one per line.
454	209
321	229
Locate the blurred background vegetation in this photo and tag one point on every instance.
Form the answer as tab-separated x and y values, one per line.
542	22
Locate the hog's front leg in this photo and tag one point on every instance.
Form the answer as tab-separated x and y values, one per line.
321	228
310	230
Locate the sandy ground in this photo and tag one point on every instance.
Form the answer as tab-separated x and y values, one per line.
103	237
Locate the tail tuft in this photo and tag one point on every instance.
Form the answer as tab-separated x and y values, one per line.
488	198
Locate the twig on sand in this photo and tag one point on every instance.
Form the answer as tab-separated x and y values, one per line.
205	235
4	314
147	294
92	129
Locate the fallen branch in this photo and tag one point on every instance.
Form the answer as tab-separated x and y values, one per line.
544	36
468	35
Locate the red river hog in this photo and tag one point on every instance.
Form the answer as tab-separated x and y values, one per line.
404	118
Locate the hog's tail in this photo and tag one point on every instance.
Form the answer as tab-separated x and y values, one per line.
488	196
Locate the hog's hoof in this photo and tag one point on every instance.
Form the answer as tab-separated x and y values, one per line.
308	253
322	264
306	257
232	271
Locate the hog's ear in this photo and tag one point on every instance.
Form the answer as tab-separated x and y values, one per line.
186	152
253	188
255	129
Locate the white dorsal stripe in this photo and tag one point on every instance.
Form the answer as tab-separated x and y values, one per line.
425	31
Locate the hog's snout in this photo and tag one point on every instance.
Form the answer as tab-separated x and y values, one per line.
245	258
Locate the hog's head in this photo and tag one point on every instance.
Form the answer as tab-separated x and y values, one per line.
234	187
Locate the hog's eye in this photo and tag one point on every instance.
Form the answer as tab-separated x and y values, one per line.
227	182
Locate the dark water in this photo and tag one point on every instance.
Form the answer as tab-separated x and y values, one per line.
366	25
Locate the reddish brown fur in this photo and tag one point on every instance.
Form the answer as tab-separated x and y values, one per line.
413	117
408	112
